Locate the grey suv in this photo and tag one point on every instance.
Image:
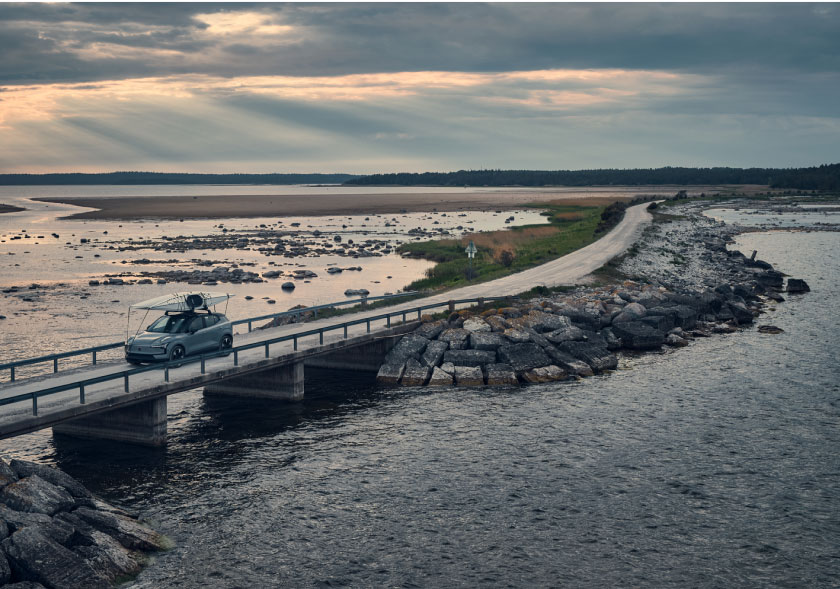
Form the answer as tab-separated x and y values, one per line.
177	335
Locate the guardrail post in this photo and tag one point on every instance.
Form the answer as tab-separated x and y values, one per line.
321	336
345	331
249	327
94	357
451	306
202	363
81	394
388	318
126	383
12	369
368	325
35	404
418	313
404	315
55	365
294	343
266	349
235	358
480	301
166	374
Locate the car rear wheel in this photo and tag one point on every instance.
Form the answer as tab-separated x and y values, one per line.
226	343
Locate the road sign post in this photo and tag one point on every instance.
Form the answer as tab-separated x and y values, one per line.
471	250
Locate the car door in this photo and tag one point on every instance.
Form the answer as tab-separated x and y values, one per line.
214	333
197	338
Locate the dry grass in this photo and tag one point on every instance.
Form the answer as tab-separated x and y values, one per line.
498	241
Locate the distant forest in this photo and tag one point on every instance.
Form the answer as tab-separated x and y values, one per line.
825	177
174	178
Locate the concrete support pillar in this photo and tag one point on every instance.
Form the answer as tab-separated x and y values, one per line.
283	383
143	423
367	357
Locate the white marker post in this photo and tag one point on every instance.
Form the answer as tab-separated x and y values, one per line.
471	249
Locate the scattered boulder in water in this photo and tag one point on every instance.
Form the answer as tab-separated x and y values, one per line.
288	286
770	329
797	285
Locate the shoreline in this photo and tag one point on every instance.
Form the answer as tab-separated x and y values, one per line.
570	335
10	209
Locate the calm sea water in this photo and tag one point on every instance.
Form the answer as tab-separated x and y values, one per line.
710	466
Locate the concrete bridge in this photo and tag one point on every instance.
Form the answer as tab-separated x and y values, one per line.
120	402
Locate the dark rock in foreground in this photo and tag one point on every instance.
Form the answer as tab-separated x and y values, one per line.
55	534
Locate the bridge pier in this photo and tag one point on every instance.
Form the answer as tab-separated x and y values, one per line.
142	423
282	383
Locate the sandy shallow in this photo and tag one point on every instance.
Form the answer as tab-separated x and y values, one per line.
227	206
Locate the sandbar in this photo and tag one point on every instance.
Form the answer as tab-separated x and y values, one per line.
10	209
231	206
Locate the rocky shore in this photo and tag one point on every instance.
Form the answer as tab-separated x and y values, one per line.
686	285
55	534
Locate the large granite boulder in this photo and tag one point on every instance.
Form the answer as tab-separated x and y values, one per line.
517	335
440	378
469	357
415	374
124	529
522	357
35	495
430	330
107	557
15	520
390	373
663	323
548	373
455	337
500	374
486	341
497	323
583	319
434	353
7	475
569	363
771	279
24	468
476	325
595	355
410	346
565	334
35	557
639	336
740	312
468	376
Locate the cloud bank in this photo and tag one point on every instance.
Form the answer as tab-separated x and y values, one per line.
413	87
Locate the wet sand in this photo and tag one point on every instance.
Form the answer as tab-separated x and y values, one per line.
228	206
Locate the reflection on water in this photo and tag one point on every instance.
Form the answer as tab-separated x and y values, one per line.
713	465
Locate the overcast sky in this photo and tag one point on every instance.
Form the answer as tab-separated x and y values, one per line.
365	88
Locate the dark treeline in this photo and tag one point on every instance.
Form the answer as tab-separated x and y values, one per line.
825	177
171	178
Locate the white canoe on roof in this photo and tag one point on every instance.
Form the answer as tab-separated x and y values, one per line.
183	301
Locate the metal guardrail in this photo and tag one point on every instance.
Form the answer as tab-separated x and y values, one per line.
54	358
167	366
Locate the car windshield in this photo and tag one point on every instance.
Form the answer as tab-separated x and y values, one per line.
169	324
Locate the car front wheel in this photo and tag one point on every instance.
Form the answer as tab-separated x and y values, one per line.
177	353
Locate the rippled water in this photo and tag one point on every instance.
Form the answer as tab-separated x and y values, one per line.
712	466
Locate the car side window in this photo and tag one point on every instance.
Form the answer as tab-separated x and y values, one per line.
211	320
195	324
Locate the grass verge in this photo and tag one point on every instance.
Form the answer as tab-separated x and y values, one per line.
504	252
